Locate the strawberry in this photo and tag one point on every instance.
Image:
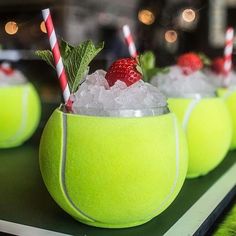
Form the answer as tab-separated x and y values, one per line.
126	70
218	66
6	69
189	63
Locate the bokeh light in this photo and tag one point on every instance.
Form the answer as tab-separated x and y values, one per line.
189	15
43	27
146	17
11	27
171	36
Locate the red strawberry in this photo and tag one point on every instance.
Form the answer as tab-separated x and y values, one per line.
6	69
189	62
218	66
125	69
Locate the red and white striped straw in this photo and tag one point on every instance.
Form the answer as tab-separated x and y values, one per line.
228	51
56	54
129	41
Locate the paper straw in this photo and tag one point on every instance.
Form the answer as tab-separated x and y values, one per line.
61	74
129	41
229	35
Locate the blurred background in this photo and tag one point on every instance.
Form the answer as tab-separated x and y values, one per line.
168	27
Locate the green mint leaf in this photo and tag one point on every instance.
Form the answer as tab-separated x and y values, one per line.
65	49
152	72
156	71
163	70
77	61
47	56
147	63
148	60
205	59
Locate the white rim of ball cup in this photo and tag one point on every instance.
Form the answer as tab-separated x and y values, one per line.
120	113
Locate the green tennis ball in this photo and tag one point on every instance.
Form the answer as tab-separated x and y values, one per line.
230	99
19	114
208	128
110	171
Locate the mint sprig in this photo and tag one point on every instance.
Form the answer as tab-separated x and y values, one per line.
146	62
205	59
75	59
47	56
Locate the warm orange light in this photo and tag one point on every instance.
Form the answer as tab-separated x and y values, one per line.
43	27
11	27
171	36
188	15
146	17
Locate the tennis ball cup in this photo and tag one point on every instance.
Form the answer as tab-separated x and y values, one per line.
19	114
113	172
208	128
229	96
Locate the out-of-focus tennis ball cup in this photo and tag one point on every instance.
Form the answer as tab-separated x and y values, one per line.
229	96
208	128
19	108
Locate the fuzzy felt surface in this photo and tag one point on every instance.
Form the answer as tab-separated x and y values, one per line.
19	114
113	172
230	99
208	130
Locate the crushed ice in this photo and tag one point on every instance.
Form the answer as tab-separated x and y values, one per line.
95	97
219	80
176	84
13	79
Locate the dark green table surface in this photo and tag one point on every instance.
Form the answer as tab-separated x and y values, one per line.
25	200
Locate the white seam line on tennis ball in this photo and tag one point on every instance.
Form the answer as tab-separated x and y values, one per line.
24	115
176	165
189	111
63	166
